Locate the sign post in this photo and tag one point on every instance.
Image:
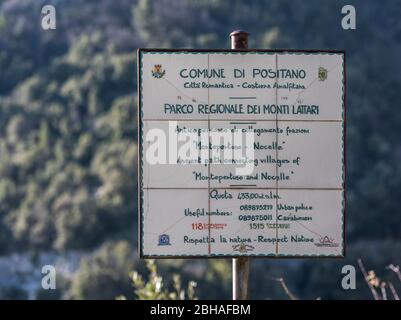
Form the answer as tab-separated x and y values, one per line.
241	154
241	265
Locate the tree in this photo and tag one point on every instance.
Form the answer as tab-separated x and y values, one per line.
154	288
104	275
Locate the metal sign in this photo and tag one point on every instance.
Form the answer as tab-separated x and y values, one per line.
241	153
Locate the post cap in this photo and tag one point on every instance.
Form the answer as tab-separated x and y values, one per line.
239	39
237	32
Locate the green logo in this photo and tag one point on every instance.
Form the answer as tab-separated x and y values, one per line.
158	72
322	74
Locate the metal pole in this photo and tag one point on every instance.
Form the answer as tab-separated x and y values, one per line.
239	40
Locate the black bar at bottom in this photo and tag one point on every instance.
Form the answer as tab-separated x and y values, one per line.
204	309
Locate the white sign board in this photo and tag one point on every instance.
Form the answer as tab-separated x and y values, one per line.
241	153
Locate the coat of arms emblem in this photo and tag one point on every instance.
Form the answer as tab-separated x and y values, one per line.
322	74
158	71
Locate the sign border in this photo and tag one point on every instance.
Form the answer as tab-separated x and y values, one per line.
140	152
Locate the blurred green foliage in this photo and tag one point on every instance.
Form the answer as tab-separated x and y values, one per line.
104	273
68	132
154	288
